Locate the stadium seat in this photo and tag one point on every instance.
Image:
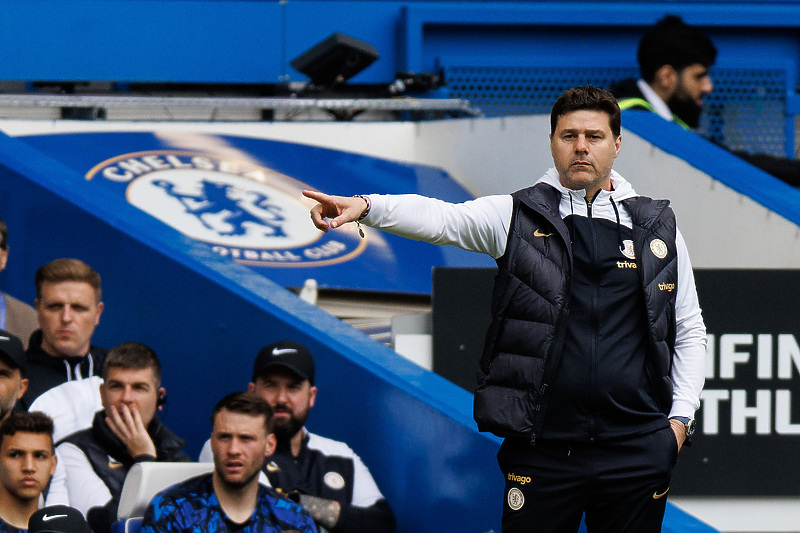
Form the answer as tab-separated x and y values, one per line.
146	479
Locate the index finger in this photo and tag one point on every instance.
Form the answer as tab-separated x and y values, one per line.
136	417
115	421
126	415
316	195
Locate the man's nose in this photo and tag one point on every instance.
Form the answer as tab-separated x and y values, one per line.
28	464
235	448
581	144
67	314
281	395
708	85
127	395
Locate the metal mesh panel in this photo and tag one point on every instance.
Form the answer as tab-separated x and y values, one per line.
746	111
502	91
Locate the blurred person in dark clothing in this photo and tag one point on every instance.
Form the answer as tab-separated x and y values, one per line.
674	61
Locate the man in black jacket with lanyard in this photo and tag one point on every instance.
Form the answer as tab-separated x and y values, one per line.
594	360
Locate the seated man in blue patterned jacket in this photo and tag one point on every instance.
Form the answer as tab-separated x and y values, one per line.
230	498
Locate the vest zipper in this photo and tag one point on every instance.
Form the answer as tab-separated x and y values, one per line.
593	318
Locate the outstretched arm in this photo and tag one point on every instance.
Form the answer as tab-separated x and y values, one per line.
337	209
479	225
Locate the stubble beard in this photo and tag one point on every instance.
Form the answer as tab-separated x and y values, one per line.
583	179
237	485
6	409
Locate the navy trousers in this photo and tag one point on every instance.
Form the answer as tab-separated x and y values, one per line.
620	485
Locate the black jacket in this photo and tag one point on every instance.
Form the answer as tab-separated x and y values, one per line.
329	474
45	371
532	329
99	444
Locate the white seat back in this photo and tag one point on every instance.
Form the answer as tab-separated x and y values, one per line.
145	480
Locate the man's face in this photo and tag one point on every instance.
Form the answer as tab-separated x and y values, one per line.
12	387
290	397
135	388
239	443
693	83
68	313
3	258
584	149
27	463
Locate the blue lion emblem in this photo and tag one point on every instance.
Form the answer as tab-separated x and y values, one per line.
216	199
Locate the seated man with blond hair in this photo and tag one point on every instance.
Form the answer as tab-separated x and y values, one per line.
68	305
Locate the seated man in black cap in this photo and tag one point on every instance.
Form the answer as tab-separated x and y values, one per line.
13	382
326	477
27	462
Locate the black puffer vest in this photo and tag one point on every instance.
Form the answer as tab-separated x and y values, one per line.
530	309
100	446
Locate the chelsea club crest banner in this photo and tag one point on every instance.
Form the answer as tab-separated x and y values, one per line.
242	197
247	212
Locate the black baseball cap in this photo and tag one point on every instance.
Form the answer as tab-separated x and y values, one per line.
11	348
58	519
285	354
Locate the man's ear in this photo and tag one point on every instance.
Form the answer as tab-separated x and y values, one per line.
272	443
23	387
312	396
161	398
100	307
53	466
665	81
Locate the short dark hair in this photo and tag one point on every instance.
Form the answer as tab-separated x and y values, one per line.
588	98
673	42
32	422
246	403
132	355
3	235
68	270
